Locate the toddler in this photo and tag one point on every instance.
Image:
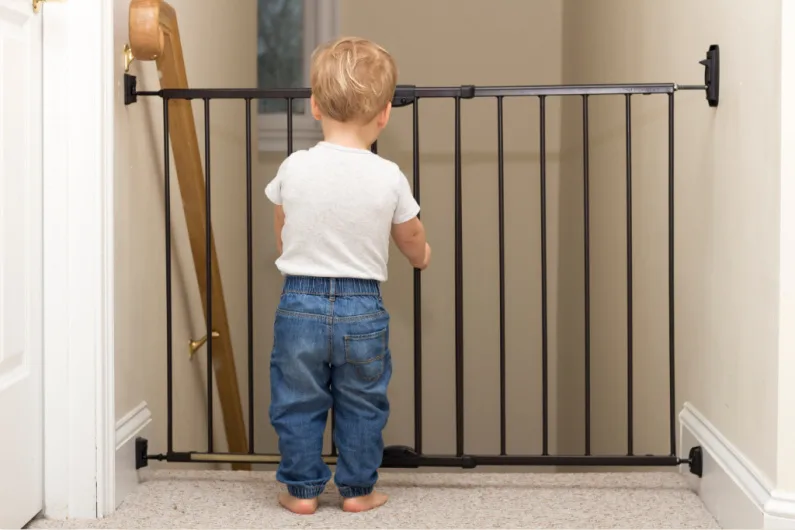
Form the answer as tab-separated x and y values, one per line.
336	205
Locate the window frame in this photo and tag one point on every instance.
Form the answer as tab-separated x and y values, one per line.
320	25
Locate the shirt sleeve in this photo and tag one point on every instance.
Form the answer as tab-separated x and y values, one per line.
407	207
273	191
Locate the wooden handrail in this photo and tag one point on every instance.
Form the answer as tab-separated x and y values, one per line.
154	36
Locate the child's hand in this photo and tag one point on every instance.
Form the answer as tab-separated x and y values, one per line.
427	259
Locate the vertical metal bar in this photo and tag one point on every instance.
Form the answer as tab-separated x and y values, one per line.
333	427
671	337
289	126
374	147
630	340
587	267
417	297
250	280
332	412
209	274
459	289
501	235
544	318
169	318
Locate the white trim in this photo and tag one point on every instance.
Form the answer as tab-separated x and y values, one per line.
56	247
128	429
732	488
78	266
132	423
321	19
781	504
785	434
106	374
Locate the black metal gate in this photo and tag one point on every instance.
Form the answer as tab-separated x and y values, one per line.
412	457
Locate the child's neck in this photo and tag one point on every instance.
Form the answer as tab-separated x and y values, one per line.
349	135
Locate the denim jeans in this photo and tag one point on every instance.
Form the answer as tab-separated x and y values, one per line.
330	348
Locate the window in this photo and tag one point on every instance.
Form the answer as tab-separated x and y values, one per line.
288	31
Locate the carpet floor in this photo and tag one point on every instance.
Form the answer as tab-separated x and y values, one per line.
229	499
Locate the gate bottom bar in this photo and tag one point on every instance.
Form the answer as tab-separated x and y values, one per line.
467	461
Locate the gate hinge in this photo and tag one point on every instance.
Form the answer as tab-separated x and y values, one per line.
404	95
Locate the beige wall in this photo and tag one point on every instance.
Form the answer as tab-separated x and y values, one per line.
727	221
140	329
517	43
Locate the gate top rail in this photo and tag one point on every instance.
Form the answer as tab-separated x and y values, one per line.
407	94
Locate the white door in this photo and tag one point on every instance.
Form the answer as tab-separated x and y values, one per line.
21	400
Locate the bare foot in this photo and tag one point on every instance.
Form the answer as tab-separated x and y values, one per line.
296	505
362	504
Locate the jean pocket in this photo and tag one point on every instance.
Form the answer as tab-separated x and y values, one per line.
366	354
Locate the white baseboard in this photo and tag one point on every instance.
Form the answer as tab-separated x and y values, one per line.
128	429
732	488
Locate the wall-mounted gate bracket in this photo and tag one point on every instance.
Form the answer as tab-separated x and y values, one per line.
131	92
141	450
130	89
712	74
696	461
711	85
142	457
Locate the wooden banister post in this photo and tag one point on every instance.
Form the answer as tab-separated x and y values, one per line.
154	36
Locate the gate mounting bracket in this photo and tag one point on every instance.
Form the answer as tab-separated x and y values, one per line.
130	89
711	85
696	461
141	450
712	74
131	92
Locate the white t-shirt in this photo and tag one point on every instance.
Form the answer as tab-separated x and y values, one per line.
339	205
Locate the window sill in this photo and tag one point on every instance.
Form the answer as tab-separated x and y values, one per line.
273	134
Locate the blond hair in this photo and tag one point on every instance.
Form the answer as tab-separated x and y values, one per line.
352	79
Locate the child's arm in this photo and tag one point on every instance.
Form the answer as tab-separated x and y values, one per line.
274	193
407	229
410	239
278	224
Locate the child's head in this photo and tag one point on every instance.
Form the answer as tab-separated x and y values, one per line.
353	82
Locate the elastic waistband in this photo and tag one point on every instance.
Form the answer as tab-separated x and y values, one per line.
331	286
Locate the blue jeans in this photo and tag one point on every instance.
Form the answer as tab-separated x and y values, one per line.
330	348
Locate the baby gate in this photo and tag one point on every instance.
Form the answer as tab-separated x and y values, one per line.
413	457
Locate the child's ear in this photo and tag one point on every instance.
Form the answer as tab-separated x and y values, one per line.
383	118
314	107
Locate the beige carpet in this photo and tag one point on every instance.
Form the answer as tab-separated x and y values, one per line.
228	499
